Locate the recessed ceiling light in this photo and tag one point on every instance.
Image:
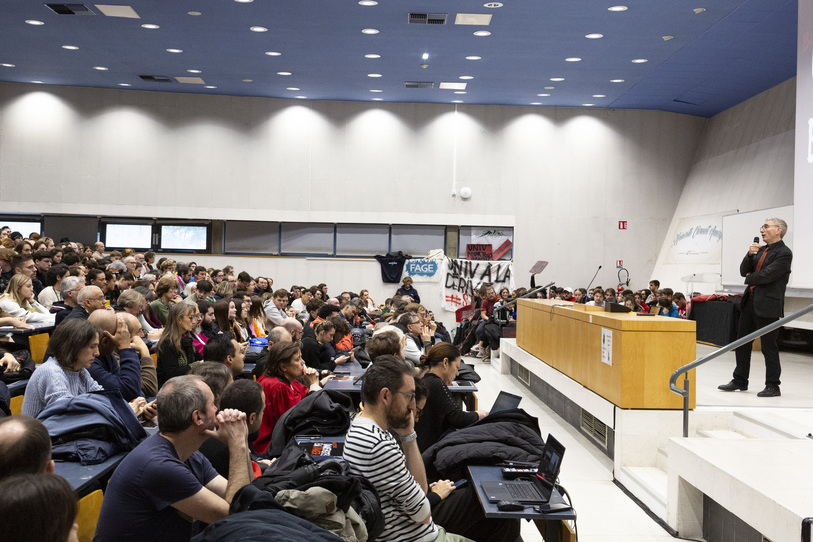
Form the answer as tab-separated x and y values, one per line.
599	95
425	56
194	71
616	80
194	14
174	50
667	38
248	80
482	33
6	65
474	57
543	95
34	22
573	59
372	55
244	1
639	60
594	36
273	53
369	31
125	85
293	88
37	82
536	103
283	73
557	79
70	47
150	26
492	5
368	3
549	88
210	86
373	75
466	77
376	90
378	99
457	101
617	8
100	68
699	10
460	92
588	105
258	29
301	97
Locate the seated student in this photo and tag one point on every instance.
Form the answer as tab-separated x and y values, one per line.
166	293
19	302
208	324
256	315
149	374
394	467
317	352
122	372
216	375
226	350
282	389
387	340
640	296
176	353
165	481
25	447
53	280
598	298
247	397
610	296
680	301
665	305
225	313
441	413
38	507
408	290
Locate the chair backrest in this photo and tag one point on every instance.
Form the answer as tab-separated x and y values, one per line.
16	405
37	344
89	507
154	357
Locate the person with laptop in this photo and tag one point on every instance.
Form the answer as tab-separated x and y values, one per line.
441	414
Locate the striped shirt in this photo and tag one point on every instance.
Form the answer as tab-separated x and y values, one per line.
374	454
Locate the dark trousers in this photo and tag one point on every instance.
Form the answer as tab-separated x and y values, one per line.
750	322
489	332
461	513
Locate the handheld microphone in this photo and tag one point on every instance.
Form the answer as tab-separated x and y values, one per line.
756	240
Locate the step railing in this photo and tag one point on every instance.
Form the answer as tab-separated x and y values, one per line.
684	392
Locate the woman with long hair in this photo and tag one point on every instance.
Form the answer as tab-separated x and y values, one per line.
283	390
176	353
257	316
242	320
225	313
53	280
441	413
19	301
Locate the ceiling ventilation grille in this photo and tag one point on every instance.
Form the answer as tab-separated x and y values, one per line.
70	9
156	78
427	18
419	84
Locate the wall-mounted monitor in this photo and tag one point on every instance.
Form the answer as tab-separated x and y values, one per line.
180	237
128	236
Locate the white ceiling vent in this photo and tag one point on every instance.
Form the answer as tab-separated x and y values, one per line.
70	9
190	80
117	11
427	18
453	86
475	19
419	84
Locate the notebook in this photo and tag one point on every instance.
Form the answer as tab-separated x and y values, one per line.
536	491
505	401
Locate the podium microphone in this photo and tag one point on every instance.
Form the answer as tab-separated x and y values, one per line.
594	278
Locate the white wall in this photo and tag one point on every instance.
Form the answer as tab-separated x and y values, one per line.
562	177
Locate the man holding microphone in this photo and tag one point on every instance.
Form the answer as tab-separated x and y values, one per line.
766	269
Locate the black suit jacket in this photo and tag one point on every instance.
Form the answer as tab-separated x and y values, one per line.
770	281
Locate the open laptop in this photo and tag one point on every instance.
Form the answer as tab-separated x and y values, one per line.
539	489
505	401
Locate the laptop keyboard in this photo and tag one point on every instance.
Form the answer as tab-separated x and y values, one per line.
523	491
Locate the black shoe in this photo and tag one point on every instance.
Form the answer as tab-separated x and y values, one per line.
733	386
770	391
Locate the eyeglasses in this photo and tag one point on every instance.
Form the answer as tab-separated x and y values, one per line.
766	226
409	396
418	412
196	316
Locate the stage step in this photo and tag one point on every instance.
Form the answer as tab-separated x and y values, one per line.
648	484
721	433
775	423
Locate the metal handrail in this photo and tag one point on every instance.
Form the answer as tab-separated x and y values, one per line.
727	348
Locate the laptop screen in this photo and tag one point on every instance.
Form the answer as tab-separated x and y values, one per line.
551	461
505	401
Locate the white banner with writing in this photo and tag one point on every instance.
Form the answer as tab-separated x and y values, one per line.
697	240
459	279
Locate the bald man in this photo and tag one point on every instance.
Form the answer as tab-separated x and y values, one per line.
25	447
294	327
124	373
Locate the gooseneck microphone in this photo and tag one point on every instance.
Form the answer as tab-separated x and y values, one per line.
594	278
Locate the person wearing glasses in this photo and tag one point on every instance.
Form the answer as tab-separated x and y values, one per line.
176	353
766	269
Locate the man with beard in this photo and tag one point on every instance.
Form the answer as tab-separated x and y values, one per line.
395	468
165	483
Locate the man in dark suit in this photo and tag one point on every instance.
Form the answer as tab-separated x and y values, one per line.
766	270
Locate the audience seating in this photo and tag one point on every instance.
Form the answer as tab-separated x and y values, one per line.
89	507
